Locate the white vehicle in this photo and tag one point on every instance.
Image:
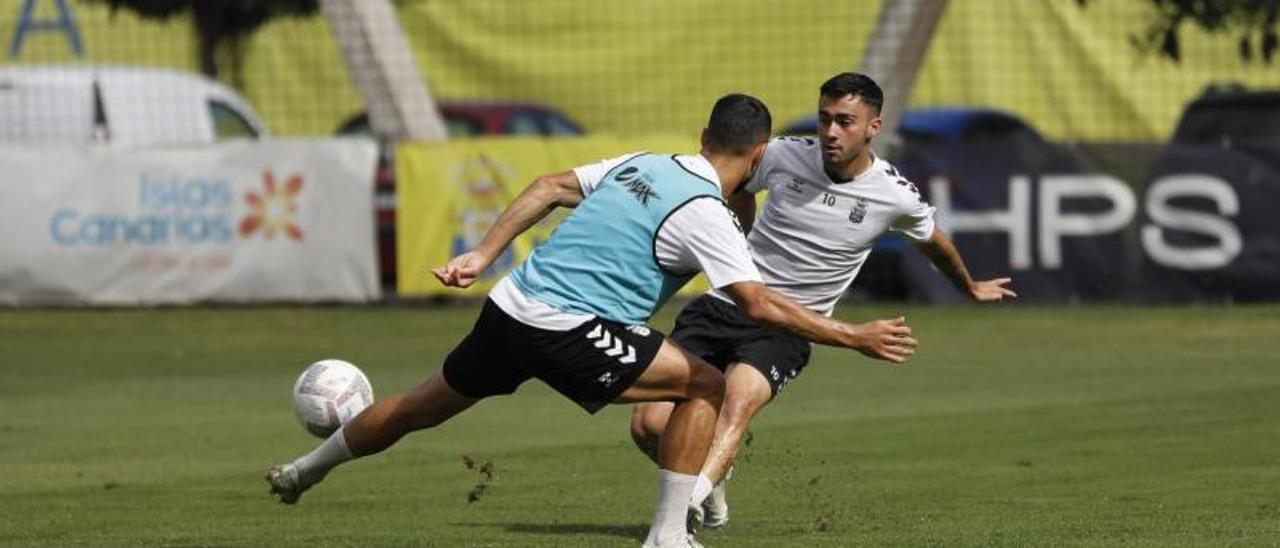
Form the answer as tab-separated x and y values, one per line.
124	106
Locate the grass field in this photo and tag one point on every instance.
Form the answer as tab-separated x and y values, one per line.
1015	426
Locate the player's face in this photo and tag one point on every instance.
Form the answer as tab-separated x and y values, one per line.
845	128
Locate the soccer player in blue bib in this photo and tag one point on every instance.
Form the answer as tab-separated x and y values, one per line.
573	315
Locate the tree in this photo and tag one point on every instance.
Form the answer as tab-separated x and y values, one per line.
221	26
1254	21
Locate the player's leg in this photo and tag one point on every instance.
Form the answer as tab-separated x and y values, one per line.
747	391
386	421
648	420
697	391
372	431
764	361
477	368
698	331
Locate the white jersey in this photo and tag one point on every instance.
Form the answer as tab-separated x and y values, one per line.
813	234
703	236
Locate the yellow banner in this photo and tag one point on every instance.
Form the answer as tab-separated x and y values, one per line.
449	194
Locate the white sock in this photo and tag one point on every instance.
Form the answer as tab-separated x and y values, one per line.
314	466
701	490
673	505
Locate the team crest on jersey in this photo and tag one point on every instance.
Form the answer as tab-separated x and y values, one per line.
796	185
859	211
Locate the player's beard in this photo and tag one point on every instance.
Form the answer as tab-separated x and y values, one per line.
841	161
847	154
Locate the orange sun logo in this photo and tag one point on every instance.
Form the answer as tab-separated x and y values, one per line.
274	209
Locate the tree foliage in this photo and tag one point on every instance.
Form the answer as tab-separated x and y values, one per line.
221	26
1253	22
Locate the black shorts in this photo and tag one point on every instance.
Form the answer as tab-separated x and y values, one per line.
591	364
721	334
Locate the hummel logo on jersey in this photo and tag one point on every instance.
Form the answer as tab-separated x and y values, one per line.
607	379
910	186
859	211
808	141
638	184
612	346
796	185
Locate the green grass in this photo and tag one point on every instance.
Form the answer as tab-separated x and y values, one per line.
1014	426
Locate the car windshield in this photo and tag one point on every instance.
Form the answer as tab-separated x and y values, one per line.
523	123
461	128
558	126
229	124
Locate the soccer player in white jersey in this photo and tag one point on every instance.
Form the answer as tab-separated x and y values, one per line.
829	200
573	314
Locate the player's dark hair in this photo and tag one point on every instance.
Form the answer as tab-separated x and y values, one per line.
738	123
858	85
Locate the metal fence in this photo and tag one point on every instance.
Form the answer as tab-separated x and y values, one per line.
1069	71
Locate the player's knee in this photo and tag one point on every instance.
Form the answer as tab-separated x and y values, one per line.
639	434
707	383
646	427
740	407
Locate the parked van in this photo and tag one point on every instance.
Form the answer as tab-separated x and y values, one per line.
127	106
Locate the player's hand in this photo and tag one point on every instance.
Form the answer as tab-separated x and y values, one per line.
888	340
991	290
462	271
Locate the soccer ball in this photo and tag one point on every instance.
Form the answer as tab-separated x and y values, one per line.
328	394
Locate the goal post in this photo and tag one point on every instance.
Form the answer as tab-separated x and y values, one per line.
381	64
895	52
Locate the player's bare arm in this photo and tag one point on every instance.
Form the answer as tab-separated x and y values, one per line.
943	254
537	200
888	340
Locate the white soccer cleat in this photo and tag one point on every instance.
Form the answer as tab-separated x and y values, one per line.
687	542
285	483
715	508
693	520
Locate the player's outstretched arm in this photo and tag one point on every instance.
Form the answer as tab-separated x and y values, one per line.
889	340
944	255
539	198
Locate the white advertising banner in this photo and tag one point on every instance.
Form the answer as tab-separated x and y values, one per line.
237	222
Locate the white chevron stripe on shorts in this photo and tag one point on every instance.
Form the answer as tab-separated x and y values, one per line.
612	346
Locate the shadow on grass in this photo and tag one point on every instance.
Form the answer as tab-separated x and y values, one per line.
633	531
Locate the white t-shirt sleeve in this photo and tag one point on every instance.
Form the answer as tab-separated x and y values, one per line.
916	221
704	235
590	175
